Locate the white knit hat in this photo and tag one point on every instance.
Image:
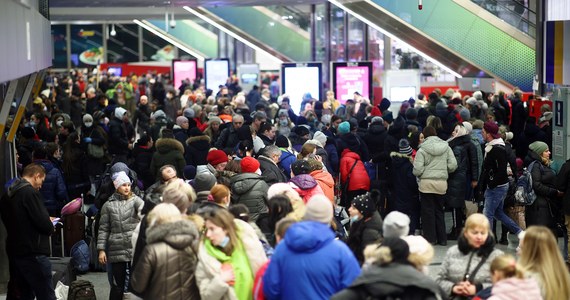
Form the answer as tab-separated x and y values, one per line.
120	178
319	209
396	224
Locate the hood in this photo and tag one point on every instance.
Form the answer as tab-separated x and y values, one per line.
352	141
376	129
434	146
199	142
397	126
242	183
530	157
324	177
514	288
308	236
399	159
17	185
304	181
460	140
48	165
178	235
165	145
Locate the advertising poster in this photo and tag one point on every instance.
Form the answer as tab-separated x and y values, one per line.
86	45
217	73
299	79
349	78
248	76
183	70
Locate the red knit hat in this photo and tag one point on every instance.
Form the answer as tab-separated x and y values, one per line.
216	157
249	165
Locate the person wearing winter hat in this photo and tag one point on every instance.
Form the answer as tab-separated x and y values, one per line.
366	225
310	242
203	183
119	218
421	252
302	182
396	224
388	118
217	161
320	137
384	105
120	144
343	128
287	190
299	167
189	172
405	148
249	188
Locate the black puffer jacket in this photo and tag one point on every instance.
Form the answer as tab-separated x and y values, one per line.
374	139
467	170
250	190
546	208
270	171
197	150
364	233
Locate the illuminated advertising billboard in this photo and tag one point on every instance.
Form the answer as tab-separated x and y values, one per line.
217	72
299	79
182	70
348	78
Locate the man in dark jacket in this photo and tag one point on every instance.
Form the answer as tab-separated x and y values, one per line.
29	226
228	138
268	160
53	190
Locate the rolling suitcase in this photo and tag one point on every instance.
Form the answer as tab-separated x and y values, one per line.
73	230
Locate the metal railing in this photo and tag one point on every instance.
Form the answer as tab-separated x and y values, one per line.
513	12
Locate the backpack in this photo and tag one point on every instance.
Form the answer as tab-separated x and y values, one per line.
80	256
524	194
81	290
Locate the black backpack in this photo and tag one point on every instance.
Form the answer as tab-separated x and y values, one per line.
81	290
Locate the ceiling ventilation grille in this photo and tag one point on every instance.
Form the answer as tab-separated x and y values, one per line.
43	7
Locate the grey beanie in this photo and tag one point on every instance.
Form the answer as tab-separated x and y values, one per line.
204	182
189	113
396	224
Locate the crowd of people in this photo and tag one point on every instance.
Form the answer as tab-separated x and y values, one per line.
204	194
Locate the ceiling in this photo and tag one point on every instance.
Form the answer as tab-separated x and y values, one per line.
176	3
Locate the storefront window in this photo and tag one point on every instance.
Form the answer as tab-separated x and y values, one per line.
124	46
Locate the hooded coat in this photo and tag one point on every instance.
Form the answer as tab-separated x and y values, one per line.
250	189
394	281
26	219
467	170
325	181
545	210
404	184
197	150
168	152
166	267
119	218
359	179
374	139
434	161
309	264
53	189
306	186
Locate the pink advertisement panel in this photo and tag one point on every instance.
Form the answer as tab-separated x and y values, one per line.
352	79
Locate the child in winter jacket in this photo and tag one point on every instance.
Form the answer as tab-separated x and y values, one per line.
119	217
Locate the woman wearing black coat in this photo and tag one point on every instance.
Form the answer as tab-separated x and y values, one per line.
366	225
198	146
546	208
461	182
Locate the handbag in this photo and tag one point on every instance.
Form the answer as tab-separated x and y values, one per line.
95	150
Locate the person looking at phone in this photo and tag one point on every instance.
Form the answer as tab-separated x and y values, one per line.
228	257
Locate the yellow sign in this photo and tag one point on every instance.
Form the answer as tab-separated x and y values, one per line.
86	33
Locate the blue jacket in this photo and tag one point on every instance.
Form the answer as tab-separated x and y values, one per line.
53	189
285	161
309	264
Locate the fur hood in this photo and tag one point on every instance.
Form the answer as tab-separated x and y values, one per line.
178	235
165	145
198	138
401	155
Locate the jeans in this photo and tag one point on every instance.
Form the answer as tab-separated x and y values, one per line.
33	277
433	222
493	208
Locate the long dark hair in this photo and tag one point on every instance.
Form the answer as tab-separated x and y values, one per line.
71	153
279	207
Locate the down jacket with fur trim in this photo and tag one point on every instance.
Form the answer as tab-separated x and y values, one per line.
167	264
197	150
119	218
168	152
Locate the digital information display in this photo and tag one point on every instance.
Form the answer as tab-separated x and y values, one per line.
403	92
217	73
299	79
115	71
348	78
182	70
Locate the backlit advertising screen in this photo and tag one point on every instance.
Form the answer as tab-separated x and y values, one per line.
299	79
348	78
217	72
183	70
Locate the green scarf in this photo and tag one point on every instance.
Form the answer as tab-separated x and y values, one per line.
243	286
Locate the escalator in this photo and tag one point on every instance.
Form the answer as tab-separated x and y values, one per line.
268	28
512	12
193	35
457	37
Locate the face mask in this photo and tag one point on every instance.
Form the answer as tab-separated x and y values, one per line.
284	122
88	124
354	219
168	96
119	91
225	242
59	123
32	123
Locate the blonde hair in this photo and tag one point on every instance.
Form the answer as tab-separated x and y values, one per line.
185	188
477	220
507	265
224	219
540	255
421	251
306	150
163	213
377	254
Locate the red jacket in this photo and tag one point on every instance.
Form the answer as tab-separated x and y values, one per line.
359	179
